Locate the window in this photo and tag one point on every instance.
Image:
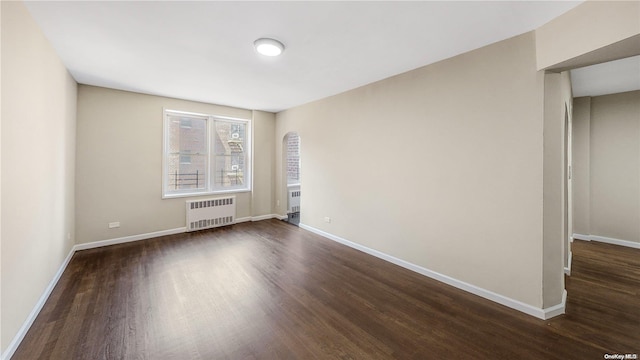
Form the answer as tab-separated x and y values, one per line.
292	142
205	154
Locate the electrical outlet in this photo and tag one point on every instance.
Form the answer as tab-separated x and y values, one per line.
114	224
327	219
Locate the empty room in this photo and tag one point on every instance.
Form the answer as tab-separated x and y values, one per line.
320	180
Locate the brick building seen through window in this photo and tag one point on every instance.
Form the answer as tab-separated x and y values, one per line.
196	162
293	159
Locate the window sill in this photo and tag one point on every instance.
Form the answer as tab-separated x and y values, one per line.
197	194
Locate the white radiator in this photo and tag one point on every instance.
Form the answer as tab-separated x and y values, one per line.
294	200
210	213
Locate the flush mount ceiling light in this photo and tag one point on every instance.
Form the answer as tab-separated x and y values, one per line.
268	47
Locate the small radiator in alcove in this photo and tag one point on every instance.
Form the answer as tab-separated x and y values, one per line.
294	201
210	213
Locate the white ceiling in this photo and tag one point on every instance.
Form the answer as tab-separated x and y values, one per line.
203	51
607	78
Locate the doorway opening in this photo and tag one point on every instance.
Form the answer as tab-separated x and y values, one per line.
291	146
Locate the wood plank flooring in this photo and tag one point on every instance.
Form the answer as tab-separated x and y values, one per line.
269	290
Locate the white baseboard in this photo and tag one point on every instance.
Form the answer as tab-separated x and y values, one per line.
126	239
567	270
556	310
262	217
13	345
608	240
581	237
540	313
259	218
487	294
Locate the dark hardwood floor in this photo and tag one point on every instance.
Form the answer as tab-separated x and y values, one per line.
269	290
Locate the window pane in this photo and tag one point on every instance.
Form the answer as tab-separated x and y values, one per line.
183	175
186	156
230	155
187	135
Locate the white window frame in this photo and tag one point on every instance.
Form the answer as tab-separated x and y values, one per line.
209	188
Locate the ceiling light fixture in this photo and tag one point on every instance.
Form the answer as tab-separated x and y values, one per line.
268	47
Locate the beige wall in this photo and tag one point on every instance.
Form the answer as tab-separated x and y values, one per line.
38	151
119	162
612	125
581	169
440	167
593	32
262	200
